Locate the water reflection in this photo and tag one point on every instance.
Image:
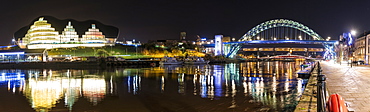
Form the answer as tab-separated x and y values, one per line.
251	86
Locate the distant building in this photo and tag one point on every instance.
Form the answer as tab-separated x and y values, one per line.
226	39
41	35
361	50
182	35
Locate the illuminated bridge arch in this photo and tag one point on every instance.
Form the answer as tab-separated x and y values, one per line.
232	48
279	23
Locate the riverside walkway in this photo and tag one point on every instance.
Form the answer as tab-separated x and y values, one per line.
352	83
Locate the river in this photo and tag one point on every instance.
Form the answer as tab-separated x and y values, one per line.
248	86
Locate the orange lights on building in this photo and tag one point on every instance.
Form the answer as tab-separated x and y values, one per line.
93	35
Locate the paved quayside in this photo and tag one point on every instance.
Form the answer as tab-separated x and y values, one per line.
352	83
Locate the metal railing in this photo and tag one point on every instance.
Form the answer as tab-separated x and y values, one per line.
321	90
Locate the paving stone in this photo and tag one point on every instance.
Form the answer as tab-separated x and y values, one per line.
352	83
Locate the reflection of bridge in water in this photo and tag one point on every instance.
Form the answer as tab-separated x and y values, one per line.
280	36
251	86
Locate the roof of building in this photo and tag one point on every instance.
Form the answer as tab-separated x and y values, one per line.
363	34
80	26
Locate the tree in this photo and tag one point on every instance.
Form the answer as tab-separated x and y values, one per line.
102	53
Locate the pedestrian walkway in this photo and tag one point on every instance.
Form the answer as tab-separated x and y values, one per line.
352	83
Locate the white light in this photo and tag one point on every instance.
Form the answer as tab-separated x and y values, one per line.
353	32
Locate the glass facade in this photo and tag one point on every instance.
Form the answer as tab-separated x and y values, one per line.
42	35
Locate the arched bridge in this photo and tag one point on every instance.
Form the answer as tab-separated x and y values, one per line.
278	31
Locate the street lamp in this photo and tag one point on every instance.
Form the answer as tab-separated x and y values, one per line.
328	39
136	49
353	32
111	48
350	47
13	41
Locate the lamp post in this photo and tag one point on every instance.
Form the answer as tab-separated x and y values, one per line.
352	33
111	48
366	49
136	50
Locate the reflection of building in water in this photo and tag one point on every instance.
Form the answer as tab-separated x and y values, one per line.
278	91
181	81
134	84
94	89
43	92
14	80
72	91
272	84
44	89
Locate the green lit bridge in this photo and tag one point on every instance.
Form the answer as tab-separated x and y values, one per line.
279	36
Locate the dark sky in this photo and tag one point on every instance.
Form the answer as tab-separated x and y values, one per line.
145	20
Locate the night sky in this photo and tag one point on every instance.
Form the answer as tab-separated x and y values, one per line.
145	20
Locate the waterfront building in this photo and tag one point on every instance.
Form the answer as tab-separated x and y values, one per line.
218	45
93	35
69	35
361	50
40	32
23	55
42	35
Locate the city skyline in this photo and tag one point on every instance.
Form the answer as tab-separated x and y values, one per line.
156	20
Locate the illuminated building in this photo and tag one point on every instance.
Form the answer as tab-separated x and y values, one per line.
218	45
361	50
44	35
182	35
69	34
93	35
41	32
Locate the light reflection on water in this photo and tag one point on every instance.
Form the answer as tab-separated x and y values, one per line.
250	86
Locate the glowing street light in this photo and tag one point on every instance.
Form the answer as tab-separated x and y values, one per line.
328	39
353	32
